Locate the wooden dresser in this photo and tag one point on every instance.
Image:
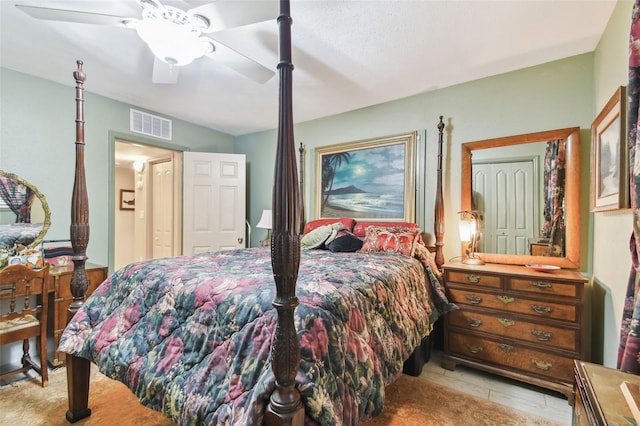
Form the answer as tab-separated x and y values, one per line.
516	322
60	287
599	399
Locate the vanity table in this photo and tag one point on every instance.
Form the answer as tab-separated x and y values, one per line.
60	289
516	322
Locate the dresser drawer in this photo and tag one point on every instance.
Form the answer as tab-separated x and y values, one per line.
510	355
475	278
513	327
515	304
546	287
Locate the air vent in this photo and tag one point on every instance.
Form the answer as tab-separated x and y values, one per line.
151	125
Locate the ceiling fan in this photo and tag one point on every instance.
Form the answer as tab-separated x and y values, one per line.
174	35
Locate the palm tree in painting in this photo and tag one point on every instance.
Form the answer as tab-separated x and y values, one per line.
330	164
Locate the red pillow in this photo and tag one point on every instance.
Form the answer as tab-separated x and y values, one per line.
401	240
360	228
346	221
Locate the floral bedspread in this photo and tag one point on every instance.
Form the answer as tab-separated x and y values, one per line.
191	336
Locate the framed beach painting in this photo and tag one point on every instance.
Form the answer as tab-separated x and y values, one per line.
609	169
368	179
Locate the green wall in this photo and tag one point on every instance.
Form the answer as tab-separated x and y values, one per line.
37	142
611	230
550	96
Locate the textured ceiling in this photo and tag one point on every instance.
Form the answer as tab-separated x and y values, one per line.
347	54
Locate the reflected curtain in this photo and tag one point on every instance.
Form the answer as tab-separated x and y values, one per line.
629	350
554	178
18	197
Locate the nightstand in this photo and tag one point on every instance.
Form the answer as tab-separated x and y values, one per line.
599	399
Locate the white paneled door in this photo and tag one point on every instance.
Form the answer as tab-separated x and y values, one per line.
214	187
162	200
505	195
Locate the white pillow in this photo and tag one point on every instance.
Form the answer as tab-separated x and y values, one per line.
318	236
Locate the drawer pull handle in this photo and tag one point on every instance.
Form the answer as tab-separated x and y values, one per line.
473	299
474	349
474	322
543	336
506	322
507	349
541	365
542	285
475	279
541	309
506	299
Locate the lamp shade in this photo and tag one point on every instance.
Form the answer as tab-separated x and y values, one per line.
467	227
265	220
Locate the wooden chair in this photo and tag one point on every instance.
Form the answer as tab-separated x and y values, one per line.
20	287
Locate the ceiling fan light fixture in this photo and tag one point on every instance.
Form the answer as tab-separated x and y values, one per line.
172	35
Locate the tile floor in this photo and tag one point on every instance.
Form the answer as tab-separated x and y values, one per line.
521	396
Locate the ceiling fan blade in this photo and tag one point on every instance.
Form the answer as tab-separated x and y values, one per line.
64	15
163	73
240	63
224	14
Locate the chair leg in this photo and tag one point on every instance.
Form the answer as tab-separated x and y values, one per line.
44	362
26	358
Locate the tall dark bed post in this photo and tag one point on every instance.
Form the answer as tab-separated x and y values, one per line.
439	203
78	369
301	213
285	406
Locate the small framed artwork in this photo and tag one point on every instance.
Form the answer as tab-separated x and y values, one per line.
127	199
367	179
609	168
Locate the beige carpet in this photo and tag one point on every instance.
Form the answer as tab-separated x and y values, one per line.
411	401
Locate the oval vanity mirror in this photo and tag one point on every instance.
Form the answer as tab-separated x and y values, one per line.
529	209
24	213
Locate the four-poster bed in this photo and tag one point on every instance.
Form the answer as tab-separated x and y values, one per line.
207	339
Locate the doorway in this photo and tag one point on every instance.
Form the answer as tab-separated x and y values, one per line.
149	225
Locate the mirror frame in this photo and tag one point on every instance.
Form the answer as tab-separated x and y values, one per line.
572	193
45	206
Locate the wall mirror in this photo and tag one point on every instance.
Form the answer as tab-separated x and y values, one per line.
515	229
24	213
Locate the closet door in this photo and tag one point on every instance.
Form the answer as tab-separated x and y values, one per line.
504	193
214	188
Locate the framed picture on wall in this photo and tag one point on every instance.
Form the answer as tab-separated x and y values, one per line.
609	168
367	179
127	199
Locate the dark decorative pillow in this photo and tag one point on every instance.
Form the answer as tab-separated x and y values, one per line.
345	241
391	240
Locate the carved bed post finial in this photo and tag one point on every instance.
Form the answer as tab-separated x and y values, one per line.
302	213
79	230
439	203
285	406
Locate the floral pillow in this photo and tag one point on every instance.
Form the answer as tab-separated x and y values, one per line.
391	240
